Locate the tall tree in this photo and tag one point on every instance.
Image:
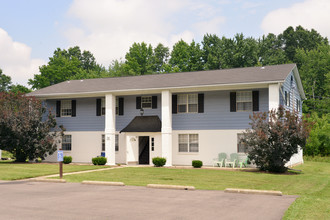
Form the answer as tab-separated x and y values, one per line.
64	65
160	58
212	47
314	71
270	51
5	82
139	59
186	57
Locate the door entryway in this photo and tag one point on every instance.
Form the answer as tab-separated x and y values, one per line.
143	149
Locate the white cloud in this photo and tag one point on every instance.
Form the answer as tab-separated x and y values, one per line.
16	61
109	27
309	14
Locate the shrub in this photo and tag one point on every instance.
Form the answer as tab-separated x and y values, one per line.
197	163
67	159
274	137
159	161
99	160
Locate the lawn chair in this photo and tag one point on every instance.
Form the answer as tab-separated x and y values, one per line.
233	160
243	162
220	161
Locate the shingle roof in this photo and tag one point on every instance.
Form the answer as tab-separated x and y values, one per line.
144	124
275	73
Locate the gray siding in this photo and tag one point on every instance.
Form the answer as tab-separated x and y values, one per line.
293	89
217	113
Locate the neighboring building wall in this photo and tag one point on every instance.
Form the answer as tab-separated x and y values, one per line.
291	88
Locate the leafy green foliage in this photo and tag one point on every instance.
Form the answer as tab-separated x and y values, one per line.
197	163
159	161
139	59
319	139
67	159
5	82
65	65
99	160
275	137
23	130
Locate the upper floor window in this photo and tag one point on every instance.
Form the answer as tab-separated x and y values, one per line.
100	106
146	101
103	106
66	108
188	103
188	143
244	101
286	98
66	142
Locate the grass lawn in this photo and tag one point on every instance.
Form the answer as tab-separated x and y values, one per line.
312	185
14	171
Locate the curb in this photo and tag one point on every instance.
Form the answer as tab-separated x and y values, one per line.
48	180
253	191
160	186
104	183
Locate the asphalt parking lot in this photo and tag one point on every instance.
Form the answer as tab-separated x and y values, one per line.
39	200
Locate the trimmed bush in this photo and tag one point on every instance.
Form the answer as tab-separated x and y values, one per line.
67	159
99	160
159	161
197	163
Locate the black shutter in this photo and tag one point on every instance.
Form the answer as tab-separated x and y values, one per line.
98	107
58	108
233	101
73	106
121	106
154	102
201	103
255	100
174	104
138	102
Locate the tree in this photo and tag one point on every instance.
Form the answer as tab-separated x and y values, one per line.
160	58
274	137
212	51
139	59
314	70
5	82
186	57
25	130
318	142
270	51
65	65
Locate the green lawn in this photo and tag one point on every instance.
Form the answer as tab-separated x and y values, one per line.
14	171
312	185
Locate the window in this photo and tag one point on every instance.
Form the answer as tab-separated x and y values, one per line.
286	98
188	143
103	106
66	142
241	147
188	103
117	106
244	101
66	108
297	105
116	142
146	102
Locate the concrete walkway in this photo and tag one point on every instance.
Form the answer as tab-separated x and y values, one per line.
38	200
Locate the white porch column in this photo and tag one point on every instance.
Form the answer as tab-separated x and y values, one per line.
110	128
167	126
274	96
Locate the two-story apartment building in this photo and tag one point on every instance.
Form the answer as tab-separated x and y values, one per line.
180	116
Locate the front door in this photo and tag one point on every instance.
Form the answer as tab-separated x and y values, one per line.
143	149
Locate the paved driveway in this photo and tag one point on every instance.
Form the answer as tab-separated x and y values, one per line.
39	200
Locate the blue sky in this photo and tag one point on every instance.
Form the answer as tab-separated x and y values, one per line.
30	30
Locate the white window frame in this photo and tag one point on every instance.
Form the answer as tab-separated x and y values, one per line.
244	97
146	101
116	143
188	140
66	108
103	106
67	142
188	101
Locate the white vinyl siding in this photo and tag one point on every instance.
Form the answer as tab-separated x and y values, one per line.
188	143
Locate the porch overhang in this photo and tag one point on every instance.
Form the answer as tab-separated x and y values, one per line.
144	124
